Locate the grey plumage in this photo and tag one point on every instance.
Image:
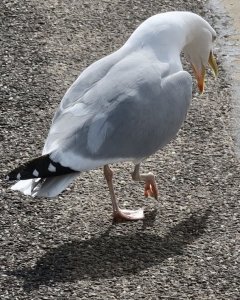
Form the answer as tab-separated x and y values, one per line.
129	104
124	117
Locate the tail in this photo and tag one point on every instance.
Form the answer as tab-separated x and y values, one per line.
42	177
41	167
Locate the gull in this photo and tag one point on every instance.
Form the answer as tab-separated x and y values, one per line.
123	107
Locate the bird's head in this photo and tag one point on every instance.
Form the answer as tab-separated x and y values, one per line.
172	32
199	50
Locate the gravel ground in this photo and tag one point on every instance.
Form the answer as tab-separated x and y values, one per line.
67	248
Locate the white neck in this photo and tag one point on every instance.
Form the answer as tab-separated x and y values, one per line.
166	35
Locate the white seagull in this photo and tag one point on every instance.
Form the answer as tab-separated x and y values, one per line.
123	107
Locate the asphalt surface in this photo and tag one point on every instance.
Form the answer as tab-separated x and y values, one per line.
67	248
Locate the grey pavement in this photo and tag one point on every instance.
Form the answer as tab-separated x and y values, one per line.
68	248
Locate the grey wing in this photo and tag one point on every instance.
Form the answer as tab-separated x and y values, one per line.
86	81
143	123
128	115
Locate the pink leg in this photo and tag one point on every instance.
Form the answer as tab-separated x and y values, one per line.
150	182
120	215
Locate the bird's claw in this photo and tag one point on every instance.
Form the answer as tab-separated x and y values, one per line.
151	189
123	215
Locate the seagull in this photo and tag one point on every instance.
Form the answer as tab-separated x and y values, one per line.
123	107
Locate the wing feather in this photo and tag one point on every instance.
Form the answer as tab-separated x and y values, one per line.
129	113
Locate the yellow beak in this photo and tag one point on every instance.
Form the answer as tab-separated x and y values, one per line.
213	64
200	74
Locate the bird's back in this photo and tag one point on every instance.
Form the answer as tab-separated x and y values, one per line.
131	112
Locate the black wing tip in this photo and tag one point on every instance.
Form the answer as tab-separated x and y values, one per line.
40	167
7	178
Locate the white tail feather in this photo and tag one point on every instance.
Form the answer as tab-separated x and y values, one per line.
50	187
24	186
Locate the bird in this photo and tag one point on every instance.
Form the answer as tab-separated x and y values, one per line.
124	107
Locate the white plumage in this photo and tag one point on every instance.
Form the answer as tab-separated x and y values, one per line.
124	107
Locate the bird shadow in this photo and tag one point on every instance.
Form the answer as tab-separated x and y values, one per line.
108	256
